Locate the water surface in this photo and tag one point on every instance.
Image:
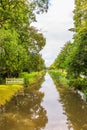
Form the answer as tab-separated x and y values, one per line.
56	118
45	107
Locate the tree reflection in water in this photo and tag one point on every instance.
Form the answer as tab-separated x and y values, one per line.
24	111
75	108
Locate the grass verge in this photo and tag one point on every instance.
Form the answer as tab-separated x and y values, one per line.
76	84
59	77
7	92
31	78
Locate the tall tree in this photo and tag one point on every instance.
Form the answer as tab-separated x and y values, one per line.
74	61
62	59
17	38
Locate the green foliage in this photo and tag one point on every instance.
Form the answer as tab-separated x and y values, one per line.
78	55
11	58
42	5
62	59
20	43
58	77
73	56
28	78
31	78
36	62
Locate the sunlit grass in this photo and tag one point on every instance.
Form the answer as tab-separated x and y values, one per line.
7	91
31	78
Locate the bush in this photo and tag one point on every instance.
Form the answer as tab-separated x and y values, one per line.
25	75
31	78
2	81
78	83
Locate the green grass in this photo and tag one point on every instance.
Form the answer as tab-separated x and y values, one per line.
77	84
59	77
7	92
31	78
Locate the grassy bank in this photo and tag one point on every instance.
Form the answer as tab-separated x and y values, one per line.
77	84
59	77
31	78
8	91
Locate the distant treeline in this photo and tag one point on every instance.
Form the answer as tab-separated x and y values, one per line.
72	59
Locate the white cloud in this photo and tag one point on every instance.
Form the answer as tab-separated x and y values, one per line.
55	25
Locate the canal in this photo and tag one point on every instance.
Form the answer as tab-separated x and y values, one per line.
46	106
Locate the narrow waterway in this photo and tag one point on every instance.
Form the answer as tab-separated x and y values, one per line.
55	113
45	107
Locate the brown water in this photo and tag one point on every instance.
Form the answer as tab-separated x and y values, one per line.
45	108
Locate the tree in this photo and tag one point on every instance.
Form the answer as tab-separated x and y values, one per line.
62	61
36	62
41	5
11	58
37	41
17	38
78	61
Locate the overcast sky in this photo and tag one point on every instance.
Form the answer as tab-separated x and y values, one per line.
54	25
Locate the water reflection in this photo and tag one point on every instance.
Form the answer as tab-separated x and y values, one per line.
24	111
75	108
56	118
43	107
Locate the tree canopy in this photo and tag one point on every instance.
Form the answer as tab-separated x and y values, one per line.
20	43
73	56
